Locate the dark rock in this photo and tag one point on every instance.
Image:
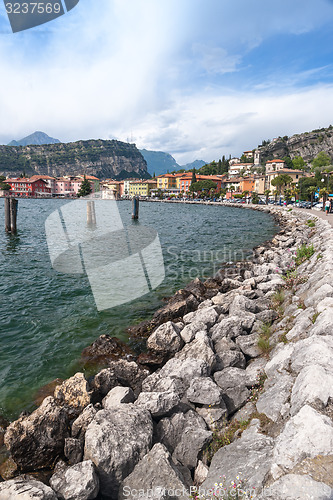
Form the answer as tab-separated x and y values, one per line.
228	354
180	304
129	374
196	288
103	350
151	360
79	482
192	443
267	316
36	440
46	390
8	469
73	450
116	440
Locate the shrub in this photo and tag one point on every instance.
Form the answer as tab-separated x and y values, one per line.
311	223
263	341
314	317
224	436
292	280
277	300
303	253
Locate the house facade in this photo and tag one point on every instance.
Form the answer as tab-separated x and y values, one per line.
28	188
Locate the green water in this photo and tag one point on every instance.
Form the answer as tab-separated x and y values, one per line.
47	318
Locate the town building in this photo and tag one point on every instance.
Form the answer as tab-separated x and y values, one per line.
141	187
274	165
238	169
29	188
294	174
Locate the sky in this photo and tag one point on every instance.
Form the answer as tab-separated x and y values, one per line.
194	78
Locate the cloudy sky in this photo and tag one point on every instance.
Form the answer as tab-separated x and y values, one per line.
194	78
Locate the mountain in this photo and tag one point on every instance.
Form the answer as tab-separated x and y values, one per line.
37	138
307	145
104	159
159	162
195	164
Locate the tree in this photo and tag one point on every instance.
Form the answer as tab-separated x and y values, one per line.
288	161
85	188
255	198
294	191
194	177
324	194
298	163
267	193
245	194
311	191
321	160
204	185
282	180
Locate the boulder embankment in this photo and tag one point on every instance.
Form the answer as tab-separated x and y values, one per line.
235	391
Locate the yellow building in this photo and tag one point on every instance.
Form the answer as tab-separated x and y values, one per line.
141	188
168	181
296	175
259	184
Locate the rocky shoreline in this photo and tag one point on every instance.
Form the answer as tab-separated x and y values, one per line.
235	391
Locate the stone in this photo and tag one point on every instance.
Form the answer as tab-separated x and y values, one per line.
200	473
254	370
34	441
159	404
24	489
79	426
208	316
213	415
296	487
189	332
74	392
316	350
245	413
321	293
155	474
170	429
267	316
307	434
165	339
175	368
192	442
241	304
204	391
103	350
228	354
314	384
280	359
235	398
273	400
178	306
73	450
299	330
230	377
79	482
116	440
129	374
248	344
323	323
230	327
118	395
199	348
250	456
104	381
197	288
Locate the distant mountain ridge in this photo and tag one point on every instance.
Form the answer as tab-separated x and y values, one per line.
37	139
159	163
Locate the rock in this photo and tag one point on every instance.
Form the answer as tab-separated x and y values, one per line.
280	359
169	430
155	473
314	384
224	301
104	381
192	443
34	441
208	316
24	489
46	390
241	304
228	354
184	370
165	339
213	415
103	350
274	400
248	344
316	350
151	359
250	456
295	487
8	469
321	293
197	288
199	348
323	323
159	404
79	426
235	398
118	395
254	370
307	434
230	377
204	391
229	327
115	442
73	450
129	374
245	413
179	305
79	482
200	473
74	392
267	316
191	329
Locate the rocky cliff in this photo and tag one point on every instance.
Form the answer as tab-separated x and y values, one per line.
103	159
307	145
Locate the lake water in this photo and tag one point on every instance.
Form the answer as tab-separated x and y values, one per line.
48	317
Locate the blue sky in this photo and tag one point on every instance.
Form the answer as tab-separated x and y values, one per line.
195	78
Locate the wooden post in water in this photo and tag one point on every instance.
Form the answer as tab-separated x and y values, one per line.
135	205
7	215
91	214
13	215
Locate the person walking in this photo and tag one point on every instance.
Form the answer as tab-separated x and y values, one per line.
327	206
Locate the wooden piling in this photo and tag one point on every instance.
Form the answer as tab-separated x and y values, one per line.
7	215
13	215
135	205
91	214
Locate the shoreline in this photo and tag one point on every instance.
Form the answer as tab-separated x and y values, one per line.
218	335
